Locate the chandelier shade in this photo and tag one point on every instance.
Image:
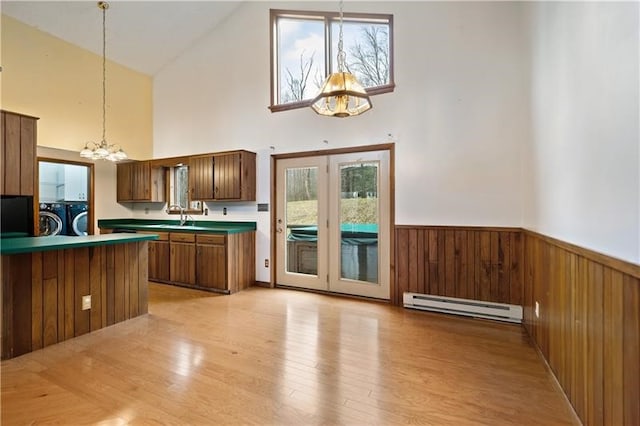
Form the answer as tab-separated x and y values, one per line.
103	150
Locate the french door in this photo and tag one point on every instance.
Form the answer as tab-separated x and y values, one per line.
332	223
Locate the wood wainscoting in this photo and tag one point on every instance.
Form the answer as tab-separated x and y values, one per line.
42	293
465	262
588	326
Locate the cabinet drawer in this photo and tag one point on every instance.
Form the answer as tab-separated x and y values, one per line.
211	239
162	236
183	238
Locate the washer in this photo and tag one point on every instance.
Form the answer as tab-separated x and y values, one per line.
77	219
53	219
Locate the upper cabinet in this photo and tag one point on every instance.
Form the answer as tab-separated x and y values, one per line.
201	177
225	176
138	181
18	154
234	176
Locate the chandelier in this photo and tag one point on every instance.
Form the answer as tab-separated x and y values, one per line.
341	94
103	150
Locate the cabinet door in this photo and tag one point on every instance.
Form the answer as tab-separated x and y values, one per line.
201	178
124	182
211	266
141	179
183	263
226	177
159	261
18	154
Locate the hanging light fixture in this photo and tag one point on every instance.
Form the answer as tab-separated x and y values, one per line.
103	150
341	94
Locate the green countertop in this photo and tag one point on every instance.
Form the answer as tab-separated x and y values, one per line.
197	226
58	242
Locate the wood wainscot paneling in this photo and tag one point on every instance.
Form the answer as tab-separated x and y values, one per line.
464	262
588	322
42	293
587	327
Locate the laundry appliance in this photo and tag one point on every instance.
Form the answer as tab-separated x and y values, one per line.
77	219
53	219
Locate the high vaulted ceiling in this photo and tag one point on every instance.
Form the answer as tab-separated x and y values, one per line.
142	35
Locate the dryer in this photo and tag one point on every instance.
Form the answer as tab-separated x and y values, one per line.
53	219
77	216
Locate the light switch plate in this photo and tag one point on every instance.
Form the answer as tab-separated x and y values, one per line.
86	302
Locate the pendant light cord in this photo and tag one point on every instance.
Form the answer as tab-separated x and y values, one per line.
341	55
104	7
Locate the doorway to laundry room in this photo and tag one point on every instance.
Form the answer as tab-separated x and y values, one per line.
65	197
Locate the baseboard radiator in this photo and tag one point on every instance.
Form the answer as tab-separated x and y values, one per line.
472	308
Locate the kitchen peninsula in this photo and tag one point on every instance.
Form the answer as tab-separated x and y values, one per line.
59	287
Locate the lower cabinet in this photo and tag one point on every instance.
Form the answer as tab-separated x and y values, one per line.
159	261
182	258
211	271
214	262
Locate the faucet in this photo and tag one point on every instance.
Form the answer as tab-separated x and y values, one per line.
183	216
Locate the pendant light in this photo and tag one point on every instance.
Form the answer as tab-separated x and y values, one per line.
341	94
103	150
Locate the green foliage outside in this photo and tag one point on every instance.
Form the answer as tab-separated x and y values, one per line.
354	210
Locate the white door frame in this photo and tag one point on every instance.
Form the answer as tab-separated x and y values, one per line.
391	211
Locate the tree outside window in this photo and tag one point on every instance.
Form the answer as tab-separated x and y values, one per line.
305	45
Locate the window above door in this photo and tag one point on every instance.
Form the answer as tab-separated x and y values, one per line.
304	46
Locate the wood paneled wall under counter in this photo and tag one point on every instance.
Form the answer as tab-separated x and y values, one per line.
42	293
464	262
587	327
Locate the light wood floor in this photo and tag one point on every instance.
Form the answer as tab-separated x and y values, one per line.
284	357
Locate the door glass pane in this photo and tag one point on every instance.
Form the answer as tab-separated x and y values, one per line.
301	220
359	217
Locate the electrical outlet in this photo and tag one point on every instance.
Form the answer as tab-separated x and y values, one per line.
224	211
537	309
266	263
86	302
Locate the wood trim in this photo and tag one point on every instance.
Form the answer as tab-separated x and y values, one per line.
91	229
461	228
624	266
334	151
588	327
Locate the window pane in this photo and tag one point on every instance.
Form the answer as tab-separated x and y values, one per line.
359	220
366	45
301	61
301	220
182	186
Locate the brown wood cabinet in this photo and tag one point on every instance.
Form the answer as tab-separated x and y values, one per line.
201	177
211	257
234	176
138	181
215	262
182	258
18	154
159	257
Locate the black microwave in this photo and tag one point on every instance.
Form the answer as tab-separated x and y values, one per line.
16	216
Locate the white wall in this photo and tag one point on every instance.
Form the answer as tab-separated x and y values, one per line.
458	116
582	179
